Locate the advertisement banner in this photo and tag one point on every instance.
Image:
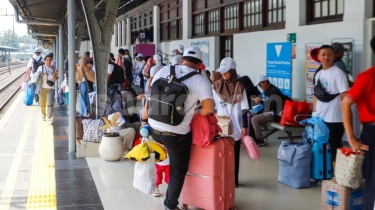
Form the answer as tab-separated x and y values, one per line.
279	66
311	67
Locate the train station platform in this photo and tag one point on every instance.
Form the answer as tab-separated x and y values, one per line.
38	173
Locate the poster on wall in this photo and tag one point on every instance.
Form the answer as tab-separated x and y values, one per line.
204	47
348	44
311	67
279	66
292	37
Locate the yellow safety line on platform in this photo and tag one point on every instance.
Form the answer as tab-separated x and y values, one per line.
7	194
42	191
9	112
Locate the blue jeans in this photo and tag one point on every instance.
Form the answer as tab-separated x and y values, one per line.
84	100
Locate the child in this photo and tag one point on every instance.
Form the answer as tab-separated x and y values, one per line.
161	167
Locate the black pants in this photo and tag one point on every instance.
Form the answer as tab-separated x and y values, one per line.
237	148
36	96
336	131
367	137
179	147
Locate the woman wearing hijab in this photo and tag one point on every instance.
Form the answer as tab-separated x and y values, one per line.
145	72
84	74
231	101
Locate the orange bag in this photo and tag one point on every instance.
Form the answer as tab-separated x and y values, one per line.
293	109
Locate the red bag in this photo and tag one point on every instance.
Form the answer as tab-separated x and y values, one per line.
137	139
126	83
293	109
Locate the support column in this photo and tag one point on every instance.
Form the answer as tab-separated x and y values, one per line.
80	29
128	34
123	33
156	25
61	55
119	29
72	68
100	35
116	34
186	19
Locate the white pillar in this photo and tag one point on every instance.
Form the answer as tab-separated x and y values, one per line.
291	19
116	35
123	33
156	24
119	37
186	19
128	34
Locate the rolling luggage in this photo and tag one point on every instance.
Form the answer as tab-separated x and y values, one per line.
321	158
321	163
209	183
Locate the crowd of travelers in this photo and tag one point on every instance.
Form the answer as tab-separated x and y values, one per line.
220	93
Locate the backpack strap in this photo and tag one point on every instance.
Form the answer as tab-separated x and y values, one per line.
40	59
187	76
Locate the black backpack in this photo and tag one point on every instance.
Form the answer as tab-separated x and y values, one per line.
36	64
167	97
117	76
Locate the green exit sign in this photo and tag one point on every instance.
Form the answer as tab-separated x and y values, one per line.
292	37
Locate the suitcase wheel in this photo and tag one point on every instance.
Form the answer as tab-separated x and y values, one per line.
184	206
233	208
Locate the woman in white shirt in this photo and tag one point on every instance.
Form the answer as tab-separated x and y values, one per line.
231	101
153	70
47	91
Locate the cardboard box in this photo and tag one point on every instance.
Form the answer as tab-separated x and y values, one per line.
87	149
336	197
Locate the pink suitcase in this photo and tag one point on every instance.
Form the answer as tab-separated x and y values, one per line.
209	183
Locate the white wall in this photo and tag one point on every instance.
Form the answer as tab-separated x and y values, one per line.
213	44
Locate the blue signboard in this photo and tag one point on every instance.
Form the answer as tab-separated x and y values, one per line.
279	66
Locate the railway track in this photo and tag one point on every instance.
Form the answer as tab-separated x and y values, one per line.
10	89
7	69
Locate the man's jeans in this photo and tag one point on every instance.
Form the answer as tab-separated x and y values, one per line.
60	96
178	147
36	96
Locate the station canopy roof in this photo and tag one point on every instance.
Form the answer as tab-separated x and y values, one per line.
56	10
8	49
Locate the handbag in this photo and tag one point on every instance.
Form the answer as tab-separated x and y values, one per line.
225	122
348	168
293	109
145	175
321	94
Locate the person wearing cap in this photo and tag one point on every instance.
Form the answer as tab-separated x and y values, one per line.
178	139
153	70
271	98
231	101
138	66
176	60
335	82
37	57
178	53
363	95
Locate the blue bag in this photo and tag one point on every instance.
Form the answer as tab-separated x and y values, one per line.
294	164
29	95
316	129
257	109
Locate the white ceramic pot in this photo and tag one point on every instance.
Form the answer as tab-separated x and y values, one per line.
111	147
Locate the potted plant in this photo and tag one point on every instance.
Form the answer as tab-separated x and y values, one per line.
111	147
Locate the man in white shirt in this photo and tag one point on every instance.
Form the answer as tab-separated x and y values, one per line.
178	52
30	71
178	139
335	82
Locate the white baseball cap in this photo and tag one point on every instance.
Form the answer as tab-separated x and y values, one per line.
261	78
226	64
180	48
193	52
140	55
77	51
37	50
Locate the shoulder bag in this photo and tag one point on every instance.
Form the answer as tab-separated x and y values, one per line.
321	94
225	122
86	81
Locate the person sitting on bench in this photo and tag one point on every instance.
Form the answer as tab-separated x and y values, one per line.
273	100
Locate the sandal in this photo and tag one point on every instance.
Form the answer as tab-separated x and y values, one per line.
156	193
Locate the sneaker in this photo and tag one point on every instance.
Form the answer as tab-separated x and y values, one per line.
260	143
166	208
157	193
36	104
49	121
43	118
